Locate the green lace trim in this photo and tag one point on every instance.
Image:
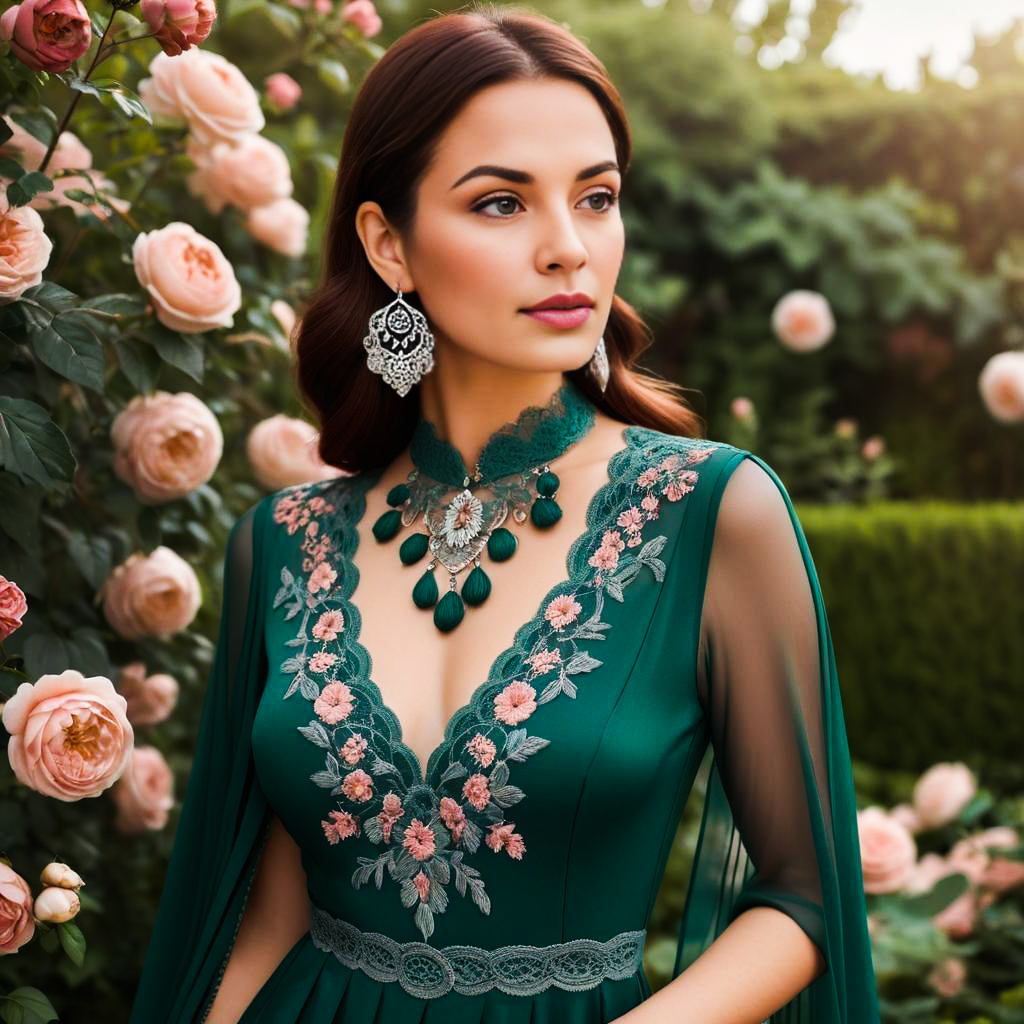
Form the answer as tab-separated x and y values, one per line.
539	434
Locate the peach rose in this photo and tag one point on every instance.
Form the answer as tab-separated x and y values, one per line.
1001	384
47	35
363	15
55	905
931	868
252	172
282	225
17	924
151	595
178	25
285	316
165	446
13	606
742	408
70	154
70	736
282	91
191	282
206	90
971	856
282	452
803	321
960	917
24	249
888	851
60	874
906	816
145	793
151	699
942	792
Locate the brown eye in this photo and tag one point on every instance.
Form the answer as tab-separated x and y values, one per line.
611	199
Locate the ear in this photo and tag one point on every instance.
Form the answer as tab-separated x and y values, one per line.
383	247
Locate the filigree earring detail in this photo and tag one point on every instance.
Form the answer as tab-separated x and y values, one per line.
598	364
400	346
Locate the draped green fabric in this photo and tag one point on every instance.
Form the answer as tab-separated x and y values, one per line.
702	641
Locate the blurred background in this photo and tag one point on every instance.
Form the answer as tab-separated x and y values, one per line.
825	231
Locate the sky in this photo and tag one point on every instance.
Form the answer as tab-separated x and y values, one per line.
887	36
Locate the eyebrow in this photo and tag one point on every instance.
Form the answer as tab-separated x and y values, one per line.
522	178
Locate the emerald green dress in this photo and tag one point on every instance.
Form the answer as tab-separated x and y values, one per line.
688	630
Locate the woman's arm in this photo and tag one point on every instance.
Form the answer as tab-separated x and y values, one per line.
758	963
276	917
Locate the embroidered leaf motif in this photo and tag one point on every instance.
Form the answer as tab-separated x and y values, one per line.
316	733
581	662
520	746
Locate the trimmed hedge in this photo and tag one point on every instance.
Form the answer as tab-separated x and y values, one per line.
925	602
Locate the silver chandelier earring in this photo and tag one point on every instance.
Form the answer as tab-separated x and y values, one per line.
598	364
400	346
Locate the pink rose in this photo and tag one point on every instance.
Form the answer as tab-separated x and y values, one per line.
145	793
17	926
971	856
47	35
165	446
55	905
69	154
70	736
191	283
151	595
150	699
960	917
802	320
942	792
252	172
13	606
282	452
930	869
873	448
207	91
947	977
1001	384
178	25
888	851
282	90
742	408
282	225
24	249
363	15
906	816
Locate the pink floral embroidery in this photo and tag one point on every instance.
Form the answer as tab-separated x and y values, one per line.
545	661
647	477
604	558
563	610
477	791
322	578
328	626
322	661
422	884
481	749
341	826
419	840
504	836
515	703
632	519
392	804
453	816
358	786
352	751
334	704
649	503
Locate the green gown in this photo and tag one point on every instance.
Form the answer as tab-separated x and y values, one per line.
689	626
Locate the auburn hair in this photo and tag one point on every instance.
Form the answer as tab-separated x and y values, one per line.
388	144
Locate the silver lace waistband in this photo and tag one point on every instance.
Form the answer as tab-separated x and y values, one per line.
428	972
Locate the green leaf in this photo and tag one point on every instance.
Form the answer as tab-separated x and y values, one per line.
27	1005
286	21
51	296
47	653
69	347
39	122
138	362
179	350
942	894
73	941
117	303
5	131
109	88
93	555
10	168
334	75
20	520
32	445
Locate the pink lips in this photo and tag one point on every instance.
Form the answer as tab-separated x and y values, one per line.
564	318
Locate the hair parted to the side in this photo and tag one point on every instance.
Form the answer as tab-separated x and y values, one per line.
389	142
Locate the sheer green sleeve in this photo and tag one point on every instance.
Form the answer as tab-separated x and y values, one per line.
224	817
779	822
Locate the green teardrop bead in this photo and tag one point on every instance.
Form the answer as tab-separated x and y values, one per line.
449	612
545	512
501	545
413	548
387	525
398	494
547	484
424	594
477	587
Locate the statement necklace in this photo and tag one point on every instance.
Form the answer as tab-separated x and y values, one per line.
514	459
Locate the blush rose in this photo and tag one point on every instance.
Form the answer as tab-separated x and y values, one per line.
24	249
145	793
282	452
47	35
177	25
17	925
13	605
151	595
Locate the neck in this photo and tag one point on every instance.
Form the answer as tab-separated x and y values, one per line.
467	404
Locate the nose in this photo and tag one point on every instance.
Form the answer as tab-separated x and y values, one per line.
560	245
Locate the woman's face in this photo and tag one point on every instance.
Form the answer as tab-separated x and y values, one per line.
485	247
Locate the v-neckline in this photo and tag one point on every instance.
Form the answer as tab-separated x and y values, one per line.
627	434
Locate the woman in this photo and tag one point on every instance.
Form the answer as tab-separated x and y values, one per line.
463	692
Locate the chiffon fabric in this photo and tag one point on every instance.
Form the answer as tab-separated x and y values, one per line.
689	633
